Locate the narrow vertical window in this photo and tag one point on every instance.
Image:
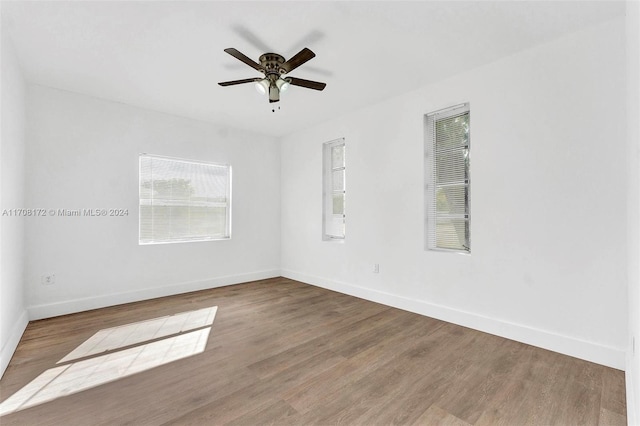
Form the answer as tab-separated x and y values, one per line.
333	164
183	200
447	143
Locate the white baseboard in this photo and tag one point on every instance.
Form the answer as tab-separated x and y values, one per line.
590	351
78	305
12	343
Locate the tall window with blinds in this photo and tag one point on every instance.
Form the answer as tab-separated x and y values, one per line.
333	217
183	200
447	177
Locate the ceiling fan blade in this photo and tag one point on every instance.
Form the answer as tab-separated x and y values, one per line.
244	58
234	82
298	59
316	85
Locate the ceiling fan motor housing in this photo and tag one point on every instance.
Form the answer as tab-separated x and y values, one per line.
271	63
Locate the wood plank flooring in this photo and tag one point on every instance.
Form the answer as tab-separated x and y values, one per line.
285	353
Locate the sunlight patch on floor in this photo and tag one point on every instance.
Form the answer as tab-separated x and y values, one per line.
130	334
81	375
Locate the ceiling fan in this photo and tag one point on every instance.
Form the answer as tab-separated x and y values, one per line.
273	66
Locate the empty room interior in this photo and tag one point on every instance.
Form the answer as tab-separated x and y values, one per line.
319	213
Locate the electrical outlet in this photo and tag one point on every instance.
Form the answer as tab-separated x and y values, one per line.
49	279
376	268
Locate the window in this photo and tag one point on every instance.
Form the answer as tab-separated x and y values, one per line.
447	179
182	200
333	166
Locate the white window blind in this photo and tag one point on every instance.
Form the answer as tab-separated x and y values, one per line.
448	183
182	200
334	190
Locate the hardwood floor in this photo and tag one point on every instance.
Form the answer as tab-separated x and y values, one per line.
285	353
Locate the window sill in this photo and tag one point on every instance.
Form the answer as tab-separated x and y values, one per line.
333	240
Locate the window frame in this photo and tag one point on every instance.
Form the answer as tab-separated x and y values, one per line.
431	216
328	190
228	204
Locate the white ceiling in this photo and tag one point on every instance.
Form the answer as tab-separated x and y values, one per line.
168	56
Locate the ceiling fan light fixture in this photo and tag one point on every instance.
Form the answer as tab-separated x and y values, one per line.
282	84
262	86
274	93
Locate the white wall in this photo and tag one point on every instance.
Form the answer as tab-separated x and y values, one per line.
13	316
82	153
548	262
633	203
